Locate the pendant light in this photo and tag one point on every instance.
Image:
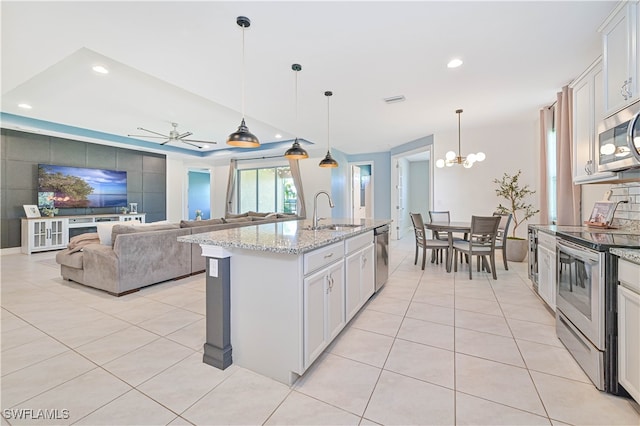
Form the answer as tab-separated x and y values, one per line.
452	158
296	152
328	160
243	138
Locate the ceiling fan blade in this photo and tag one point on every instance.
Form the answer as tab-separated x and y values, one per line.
147	136
199	141
151	131
189	143
184	135
167	141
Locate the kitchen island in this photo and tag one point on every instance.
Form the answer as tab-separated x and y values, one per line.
279	293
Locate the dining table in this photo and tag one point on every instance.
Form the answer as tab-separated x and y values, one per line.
449	228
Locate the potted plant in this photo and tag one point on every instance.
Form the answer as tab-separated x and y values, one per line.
198	214
49	211
510	189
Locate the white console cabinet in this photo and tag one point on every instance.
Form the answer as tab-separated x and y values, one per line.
44	234
53	233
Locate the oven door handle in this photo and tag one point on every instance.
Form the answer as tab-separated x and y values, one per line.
578	252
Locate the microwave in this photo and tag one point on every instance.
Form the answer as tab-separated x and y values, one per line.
619	140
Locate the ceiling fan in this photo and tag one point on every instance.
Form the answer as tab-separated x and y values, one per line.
174	136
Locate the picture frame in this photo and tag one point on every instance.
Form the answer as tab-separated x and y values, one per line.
31	210
602	214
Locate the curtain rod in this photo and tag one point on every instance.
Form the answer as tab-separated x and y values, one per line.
259	158
552	105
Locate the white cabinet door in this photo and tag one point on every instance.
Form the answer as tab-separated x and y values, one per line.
360	279
583	128
335	301
368	277
324	309
352	284
629	341
315	289
619	37
547	276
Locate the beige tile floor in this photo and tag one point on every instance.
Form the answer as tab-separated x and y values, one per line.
431	348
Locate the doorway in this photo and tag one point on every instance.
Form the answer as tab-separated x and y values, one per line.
361	191
411	188
199	193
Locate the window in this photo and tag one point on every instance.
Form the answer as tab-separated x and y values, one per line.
270	189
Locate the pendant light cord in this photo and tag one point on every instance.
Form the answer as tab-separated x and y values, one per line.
459	148
242	76
328	95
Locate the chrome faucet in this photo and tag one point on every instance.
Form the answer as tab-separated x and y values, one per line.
315	207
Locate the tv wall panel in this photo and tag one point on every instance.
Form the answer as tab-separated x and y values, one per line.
21	153
151	164
101	157
33	148
154	182
127	160
68	153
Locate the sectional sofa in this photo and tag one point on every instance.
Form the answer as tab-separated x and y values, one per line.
136	256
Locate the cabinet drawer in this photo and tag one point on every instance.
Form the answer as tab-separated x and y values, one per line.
323	256
547	240
357	242
629	274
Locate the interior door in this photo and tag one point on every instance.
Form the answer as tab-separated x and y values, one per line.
357	212
401	206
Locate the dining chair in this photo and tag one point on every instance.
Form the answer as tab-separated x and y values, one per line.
482	242
444	216
503	234
424	243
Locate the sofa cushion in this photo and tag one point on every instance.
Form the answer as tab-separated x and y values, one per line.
233	216
104	232
196	223
237	219
72	260
131	229
257	214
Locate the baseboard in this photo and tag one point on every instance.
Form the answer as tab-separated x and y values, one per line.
10	250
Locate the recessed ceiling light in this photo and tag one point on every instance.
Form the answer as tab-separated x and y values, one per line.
278	135
454	63
100	69
24	106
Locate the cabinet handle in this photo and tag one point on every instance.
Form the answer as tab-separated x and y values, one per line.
587	167
628	88
363	260
326	256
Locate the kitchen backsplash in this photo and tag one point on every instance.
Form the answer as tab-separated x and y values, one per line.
627	215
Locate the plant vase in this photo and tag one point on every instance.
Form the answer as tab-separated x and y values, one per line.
517	249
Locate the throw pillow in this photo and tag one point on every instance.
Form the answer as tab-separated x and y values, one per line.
104	232
257	214
79	241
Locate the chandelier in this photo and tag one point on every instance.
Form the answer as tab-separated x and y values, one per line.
452	158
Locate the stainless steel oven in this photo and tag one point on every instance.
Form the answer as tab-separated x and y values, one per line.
619	140
586	301
580	306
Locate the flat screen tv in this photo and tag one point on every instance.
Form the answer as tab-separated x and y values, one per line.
77	187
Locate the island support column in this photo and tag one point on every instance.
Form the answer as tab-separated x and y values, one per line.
217	348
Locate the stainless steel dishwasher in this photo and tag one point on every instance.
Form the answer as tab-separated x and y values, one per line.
381	239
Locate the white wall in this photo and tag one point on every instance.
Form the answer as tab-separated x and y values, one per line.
509	147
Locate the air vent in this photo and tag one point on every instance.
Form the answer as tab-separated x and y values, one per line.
394	99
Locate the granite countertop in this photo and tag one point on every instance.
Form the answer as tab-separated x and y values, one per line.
552	229
290	237
632	255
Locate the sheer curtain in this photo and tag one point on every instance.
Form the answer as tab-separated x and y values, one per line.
297	180
546	123
231	183
568	194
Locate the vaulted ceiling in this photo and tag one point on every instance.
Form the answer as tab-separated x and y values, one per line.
182	62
